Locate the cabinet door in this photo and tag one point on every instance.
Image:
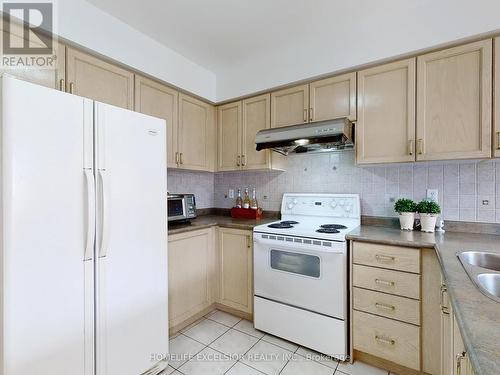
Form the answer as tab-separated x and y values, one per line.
196	134
333	97
454	103
99	80
235	256
190	274
52	77
290	106
496	135
229	140
385	130
155	99
256	116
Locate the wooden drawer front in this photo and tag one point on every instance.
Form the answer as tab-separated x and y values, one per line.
385	338
393	282
391	257
400	308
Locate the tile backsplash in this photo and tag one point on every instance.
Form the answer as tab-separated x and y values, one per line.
468	190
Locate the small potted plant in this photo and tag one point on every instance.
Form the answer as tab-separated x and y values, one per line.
406	209
429	212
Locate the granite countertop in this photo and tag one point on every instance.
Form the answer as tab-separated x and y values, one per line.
477	315
224	221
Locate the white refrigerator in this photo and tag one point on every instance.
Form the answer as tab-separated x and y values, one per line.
83	236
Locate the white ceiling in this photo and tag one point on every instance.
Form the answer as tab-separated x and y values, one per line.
252	45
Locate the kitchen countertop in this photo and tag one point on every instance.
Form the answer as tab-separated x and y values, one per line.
477	315
208	221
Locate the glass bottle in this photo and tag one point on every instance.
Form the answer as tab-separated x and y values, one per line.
239	201
246	199
254	205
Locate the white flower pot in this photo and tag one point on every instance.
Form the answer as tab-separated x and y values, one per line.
428	222
406	220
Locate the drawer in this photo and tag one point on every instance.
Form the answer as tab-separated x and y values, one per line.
387	339
387	281
394	307
384	256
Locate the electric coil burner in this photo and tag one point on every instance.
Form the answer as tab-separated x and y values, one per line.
327	230
333	226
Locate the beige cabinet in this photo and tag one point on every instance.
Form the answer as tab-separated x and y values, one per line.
191	274
52	76
496	119
385	130
196	134
154	99
290	106
454	105
236	269
97	79
237	125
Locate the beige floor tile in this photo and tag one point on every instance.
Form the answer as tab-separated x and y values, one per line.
302	366
234	343
224	318
192	325
248	328
207	362
318	357
206	331
242	369
182	348
359	368
267	358
281	342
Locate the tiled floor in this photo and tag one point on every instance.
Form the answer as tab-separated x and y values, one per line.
221	343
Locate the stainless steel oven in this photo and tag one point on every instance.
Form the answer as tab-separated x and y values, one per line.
181	207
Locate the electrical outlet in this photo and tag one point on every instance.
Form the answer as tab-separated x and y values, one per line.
432	194
231	193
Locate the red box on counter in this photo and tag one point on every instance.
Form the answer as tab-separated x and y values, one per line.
246	213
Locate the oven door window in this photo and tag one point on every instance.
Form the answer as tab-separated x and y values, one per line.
175	208
301	264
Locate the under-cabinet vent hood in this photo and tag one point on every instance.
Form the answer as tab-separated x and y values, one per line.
322	136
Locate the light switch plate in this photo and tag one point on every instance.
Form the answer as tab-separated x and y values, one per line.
231	193
432	194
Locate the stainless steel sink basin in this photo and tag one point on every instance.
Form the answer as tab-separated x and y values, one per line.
481	259
490	282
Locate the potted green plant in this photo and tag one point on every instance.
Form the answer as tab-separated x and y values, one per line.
429	212
406	209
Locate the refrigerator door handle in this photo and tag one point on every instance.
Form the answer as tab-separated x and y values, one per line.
103	248
89	246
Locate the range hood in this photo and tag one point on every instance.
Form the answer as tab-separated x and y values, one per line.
332	135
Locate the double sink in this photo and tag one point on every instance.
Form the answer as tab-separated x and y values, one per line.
484	270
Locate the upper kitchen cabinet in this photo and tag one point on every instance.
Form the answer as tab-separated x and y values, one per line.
154	99
196	134
496	141
99	80
49	76
290	106
385	130
454	89
333	97
229	132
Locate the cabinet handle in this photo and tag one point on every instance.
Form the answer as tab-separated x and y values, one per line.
384	258
176	158
243	160
71	88
238	161
420	145
384	282
62	85
459	358
305	114
385	306
410	147
180	158
384	340
311	114
249	242
444	308
498	140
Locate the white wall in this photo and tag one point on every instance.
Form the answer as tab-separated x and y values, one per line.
88	26
352	33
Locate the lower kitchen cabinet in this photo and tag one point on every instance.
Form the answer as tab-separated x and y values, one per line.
192	265
236	269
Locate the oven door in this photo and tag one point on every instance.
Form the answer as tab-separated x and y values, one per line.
176	209
307	276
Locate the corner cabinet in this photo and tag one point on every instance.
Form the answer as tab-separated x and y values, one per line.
321	100
154	99
236	269
237	125
93	78
385	130
496	134
454	107
196	138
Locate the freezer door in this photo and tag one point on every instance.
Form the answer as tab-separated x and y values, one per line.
47	286
132	322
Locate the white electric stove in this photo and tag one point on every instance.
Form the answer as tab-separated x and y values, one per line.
300	271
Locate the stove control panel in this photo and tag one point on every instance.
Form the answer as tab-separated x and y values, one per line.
332	205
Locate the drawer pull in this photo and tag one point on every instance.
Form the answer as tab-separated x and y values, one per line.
385	306
384	258
385	341
384	282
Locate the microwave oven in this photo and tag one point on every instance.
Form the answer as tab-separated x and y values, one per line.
181	207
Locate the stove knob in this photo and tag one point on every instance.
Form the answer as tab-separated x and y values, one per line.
295	201
341	202
347	208
290	206
334	203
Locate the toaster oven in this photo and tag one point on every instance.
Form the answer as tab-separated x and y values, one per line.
181	207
